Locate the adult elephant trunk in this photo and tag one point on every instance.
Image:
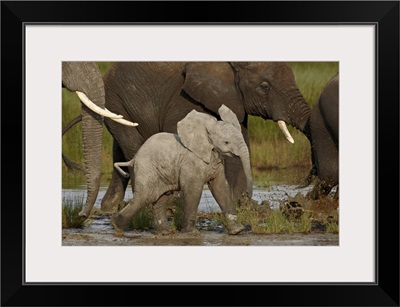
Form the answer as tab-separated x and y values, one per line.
92	133
296	113
85	77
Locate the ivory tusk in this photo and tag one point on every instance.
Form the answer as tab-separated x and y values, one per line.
285	131
125	122
92	106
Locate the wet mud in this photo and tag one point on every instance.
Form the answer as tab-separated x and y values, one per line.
210	231
201	238
98	230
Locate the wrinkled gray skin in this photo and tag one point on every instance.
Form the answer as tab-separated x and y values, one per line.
324	139
157	95
86	77
186	161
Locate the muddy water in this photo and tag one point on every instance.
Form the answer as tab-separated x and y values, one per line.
98	230
273	194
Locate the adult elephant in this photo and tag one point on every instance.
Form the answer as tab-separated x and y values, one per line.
159	94
86	80
324	139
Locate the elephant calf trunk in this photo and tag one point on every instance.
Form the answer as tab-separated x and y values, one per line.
245	158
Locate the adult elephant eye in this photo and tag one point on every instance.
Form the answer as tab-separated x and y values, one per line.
264	86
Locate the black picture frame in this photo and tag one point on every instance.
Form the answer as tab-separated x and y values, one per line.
383	14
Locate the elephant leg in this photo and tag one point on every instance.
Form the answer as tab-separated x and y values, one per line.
114	197
192	194
160	214
325	155
140	199
221	191
321	189
336	196
121	219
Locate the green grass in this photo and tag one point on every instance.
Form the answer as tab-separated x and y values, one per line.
70	211
143	220
264	220
332	227
260	217
269	149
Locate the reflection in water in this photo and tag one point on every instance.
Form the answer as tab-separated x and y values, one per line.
274	194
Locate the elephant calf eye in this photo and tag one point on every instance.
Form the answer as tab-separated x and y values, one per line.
226	142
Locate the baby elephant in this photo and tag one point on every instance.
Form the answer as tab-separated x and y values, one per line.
186	161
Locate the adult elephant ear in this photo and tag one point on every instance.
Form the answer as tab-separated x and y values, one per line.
193	134
212	84
237	66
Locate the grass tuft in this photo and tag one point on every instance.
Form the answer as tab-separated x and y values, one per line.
143	220
70	211
298	214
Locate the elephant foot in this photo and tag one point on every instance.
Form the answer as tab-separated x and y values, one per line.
189	226
113	202
234	227
86	211
83	214
113	207
163	228
118	229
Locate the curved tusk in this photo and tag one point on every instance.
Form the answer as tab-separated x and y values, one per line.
92	106
125	122
285	131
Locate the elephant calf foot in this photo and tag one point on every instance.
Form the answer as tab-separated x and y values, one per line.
163	229
117	224
161	224
234	227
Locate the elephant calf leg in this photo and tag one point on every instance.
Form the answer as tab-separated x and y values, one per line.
192	195
160	214
221	191
120	219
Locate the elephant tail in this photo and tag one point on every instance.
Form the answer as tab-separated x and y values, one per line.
71	165
118	165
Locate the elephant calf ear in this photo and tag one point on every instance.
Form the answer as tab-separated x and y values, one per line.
228	116
212	84
193	134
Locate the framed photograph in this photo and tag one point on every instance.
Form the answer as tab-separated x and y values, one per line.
258	46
